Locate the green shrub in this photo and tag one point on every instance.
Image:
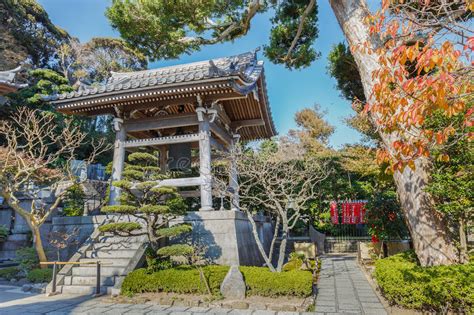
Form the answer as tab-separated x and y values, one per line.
185	279
40	275
404	282
74	201
261	281
9	272
27	258
3	233
181	279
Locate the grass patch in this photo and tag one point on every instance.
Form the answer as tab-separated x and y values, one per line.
404	282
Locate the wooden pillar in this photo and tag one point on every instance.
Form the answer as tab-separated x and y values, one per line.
233	176
205	160
119	159
163	158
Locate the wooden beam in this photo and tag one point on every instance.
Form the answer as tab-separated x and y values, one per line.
246	123
161	122
180	182
221	133
162	140
217	145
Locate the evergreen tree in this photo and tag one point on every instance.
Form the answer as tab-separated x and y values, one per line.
153	207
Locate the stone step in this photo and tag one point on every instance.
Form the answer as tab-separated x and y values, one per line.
105	271
114	246
82	289
105	253
114	261
88	281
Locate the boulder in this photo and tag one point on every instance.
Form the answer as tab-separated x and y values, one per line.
233	286
22	281
26	288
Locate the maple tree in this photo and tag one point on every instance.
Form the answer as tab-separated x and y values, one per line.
426	68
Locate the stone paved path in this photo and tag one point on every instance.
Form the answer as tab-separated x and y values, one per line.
344	289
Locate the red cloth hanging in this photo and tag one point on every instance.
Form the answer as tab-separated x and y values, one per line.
355	219
346	213
334	213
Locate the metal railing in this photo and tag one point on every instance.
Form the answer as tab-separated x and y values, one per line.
98	263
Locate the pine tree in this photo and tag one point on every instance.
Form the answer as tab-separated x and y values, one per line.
153	207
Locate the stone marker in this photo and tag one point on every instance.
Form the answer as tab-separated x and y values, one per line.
233	286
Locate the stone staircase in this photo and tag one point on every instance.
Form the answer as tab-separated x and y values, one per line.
118	256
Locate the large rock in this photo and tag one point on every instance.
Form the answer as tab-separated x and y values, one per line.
233	286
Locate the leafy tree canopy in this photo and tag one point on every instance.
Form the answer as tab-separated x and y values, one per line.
162	29
28	32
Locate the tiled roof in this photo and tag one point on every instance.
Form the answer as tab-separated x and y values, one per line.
7	78
245	66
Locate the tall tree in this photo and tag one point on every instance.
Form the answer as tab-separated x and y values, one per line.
432	241
162	29
95	60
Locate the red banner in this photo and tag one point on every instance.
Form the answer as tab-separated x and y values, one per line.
334	213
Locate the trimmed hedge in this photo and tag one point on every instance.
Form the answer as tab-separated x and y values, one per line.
404	282
181	279
262	282
185	279
40	275
9	272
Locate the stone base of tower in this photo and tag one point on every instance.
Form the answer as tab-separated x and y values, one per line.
227	236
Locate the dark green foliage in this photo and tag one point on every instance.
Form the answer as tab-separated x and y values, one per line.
3	233
120	227
154	206
9	272
40	275
27	30
185	279
181	279
343	68
285	26
176	250
404	282
261	281
452	184
74	201
384	218
27	258
162	29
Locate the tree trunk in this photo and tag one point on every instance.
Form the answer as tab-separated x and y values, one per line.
39	245
463	240
282	251
430	236
259	243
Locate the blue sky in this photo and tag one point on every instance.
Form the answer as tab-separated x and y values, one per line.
289	91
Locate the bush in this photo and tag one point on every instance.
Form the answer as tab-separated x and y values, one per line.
40	275
27	258
181	279
74	201
3	233
261	281
404	282
185	279
9	273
